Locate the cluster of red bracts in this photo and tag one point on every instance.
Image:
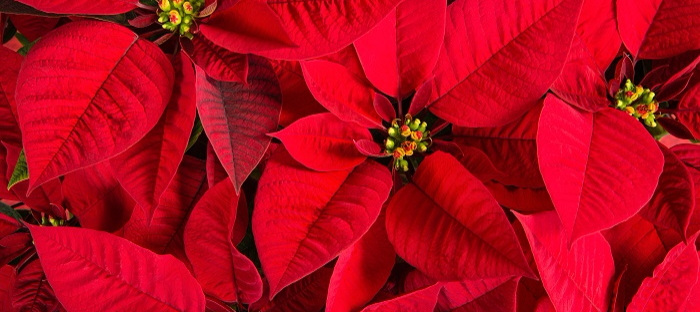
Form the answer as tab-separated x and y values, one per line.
349	155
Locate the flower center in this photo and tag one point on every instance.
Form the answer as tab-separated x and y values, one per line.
638	102
178	15
406	137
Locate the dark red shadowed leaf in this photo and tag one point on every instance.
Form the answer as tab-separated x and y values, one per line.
236	117
40	199
672	282
343	93
384	108
7	282
4	179
673	202
215	305
114	273
307	294
9	127
220	268
96	198
599	169
417	301
597	27
370	148
581	82
501	143
290	29
576	279
217	62
447	224
493	66
215	171
361	270
522	199
318	227
32	27
297	100
323	142
85	112
31	291
637	248
85	7
658	29
146	168
422	97
163	232
688	112
400	53
13	246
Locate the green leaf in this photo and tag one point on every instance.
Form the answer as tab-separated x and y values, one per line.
196	132
26	47
20	173
10	212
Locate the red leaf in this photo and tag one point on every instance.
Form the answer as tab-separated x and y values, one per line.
581	154
361	270
501	143
692	303
220	268
81	113
7	281
291	29
383	107
494	65
674	200
31	291
163	233
33	27
689	110
658	29
217	62
447	225
525	200
672	282
114	274
9	127
341	92
323	142
597	27
215	171
340	207
236	117
85	7
400	53
97	199
417	301
581	83
146	168
576	279
43	197
308	294
297	100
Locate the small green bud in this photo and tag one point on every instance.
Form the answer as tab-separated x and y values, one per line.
423	127
415	124
648	97
389	143
393	131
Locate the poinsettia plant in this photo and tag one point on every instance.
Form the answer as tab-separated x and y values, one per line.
349	155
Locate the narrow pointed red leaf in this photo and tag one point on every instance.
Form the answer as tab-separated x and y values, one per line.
340	207
576	279
447	224
673	202
236	117
96	198
113	277
146	168
581	153
9	127
217	62
672	282
361	270
500	143
219	267
400	53
163	232
341	92
657	29
383	107
31	291
420	300
323	142
85	112
7	281
290	29
86	7
493	67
